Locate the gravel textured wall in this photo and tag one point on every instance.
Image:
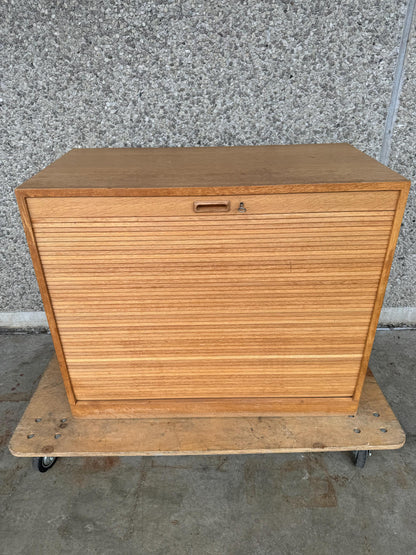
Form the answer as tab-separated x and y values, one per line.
401	288
193	72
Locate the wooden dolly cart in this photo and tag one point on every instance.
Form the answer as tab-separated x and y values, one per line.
48	431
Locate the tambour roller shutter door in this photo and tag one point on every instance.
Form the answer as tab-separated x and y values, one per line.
154	301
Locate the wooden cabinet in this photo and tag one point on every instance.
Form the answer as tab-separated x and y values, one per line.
213	281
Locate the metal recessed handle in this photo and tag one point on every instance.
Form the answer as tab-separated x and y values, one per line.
207	206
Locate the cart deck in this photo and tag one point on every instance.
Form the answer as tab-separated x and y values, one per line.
47	429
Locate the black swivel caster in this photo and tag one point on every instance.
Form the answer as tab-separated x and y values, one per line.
360	458
43	463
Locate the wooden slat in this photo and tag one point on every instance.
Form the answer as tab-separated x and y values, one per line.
337	218
74	220
208	348
242	244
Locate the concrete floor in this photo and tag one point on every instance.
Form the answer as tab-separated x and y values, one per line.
255	504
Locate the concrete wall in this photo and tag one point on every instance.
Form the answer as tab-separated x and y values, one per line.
193	72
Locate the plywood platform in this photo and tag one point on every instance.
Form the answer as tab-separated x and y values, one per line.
47	428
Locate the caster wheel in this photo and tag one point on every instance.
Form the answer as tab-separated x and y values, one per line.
43	463
360	458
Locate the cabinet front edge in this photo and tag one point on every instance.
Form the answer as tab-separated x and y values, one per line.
88	191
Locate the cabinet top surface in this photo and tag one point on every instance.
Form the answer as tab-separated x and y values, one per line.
211	167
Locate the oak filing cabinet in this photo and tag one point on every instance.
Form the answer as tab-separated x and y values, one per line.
213	281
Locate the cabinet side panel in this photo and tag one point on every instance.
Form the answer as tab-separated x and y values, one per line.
395	230
43	288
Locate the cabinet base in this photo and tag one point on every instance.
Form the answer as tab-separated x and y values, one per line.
182	408
47	429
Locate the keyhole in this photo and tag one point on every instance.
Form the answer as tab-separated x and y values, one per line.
242	208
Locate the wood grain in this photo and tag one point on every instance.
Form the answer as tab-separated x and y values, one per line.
36	431
167	171
156	308
381	289
203	312
183	206
47	302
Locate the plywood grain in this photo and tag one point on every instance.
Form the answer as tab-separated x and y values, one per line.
35	435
